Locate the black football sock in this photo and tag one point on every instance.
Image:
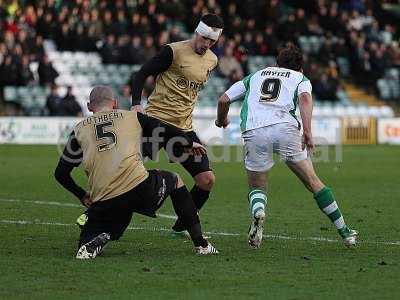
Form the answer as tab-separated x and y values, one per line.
187	214
197	236
199	196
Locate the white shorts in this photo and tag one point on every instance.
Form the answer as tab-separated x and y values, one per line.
283	139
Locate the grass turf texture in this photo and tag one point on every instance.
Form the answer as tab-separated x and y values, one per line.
36	261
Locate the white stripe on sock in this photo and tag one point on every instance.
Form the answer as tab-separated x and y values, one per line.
258	196
256	207
339	223
330	208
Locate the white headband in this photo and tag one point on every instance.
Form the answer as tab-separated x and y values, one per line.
208	32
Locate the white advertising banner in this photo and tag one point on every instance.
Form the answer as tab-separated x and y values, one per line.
389	131
327	131
206	130
21	130
45	130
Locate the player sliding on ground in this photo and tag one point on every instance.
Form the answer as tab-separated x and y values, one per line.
108	145
269	124
182	68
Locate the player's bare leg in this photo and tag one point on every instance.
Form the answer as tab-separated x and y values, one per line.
258	200
323	195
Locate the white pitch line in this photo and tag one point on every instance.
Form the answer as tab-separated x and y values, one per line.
53	203
161	229
42	202
282	237
166	216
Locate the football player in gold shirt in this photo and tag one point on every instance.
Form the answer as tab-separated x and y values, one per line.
182	68
108	144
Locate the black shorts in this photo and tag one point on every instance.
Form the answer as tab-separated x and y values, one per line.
114	215
193	164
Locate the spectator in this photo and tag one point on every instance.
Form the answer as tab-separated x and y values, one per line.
249	44
175	34
387	34
124	101
46	26
95	24
54	102
134	28
261	46
159	24
148	48
229	65
3	52
273	11
25	75
218	48
109	27
109	52
46	71
70	107
325	88
132	31
123	50
271	40
300	22
8	72
121	25
38	48
136	51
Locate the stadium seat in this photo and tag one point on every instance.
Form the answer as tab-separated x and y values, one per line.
10	94
344	66
304	44
386	111
339	110
111	68
384	89
270	61
351	111
124	69
315	43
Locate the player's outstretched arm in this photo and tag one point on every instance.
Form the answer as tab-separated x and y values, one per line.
71	158
306	108
222	111
156	65
235	92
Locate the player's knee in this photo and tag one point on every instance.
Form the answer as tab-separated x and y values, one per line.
257	183
179	181
314	184
205	180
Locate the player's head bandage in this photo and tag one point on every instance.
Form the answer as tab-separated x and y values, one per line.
208	32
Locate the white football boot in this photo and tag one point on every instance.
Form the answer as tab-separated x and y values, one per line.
93	248
256	229
350	240
210	249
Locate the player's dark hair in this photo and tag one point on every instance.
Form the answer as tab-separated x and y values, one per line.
290	57
213	20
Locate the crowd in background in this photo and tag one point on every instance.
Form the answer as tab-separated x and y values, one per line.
132	31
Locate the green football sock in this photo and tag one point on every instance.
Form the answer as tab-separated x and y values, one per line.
257	200
327	203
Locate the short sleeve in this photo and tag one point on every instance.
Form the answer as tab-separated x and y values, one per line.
236	91
304	87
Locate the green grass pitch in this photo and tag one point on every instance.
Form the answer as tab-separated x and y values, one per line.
37	258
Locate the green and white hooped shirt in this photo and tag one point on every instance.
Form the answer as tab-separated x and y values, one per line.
270	97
